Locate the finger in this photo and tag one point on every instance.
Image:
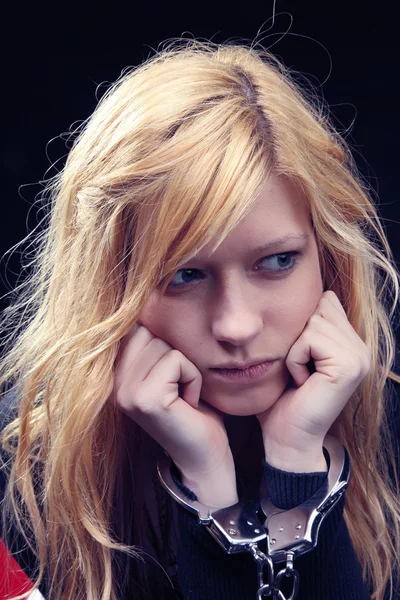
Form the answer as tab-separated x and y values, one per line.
143	362
334	313
311	345
131	344
174	367
330	305
338	332
296	364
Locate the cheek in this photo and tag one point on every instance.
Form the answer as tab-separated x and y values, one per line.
295	308
154	318
168	322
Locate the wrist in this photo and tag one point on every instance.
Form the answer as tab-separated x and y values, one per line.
213	493
293	460
215	488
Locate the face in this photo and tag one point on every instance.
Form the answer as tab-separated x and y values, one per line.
247	302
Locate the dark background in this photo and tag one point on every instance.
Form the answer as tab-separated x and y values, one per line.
55	58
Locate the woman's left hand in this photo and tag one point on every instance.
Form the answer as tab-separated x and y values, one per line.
295	426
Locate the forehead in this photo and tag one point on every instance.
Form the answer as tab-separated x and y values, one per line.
278	212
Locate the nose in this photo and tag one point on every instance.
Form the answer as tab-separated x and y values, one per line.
236	318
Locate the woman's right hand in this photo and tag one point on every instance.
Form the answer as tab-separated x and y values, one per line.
149	375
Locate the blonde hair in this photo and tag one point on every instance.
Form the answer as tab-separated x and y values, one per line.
174	154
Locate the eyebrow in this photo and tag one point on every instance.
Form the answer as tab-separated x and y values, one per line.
279	241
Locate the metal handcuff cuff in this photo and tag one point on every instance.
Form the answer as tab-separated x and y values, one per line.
287	533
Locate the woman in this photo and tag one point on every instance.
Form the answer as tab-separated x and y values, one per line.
208	218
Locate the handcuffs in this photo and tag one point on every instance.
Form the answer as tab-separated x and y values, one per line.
288	533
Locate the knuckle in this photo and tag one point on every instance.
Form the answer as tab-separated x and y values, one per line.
357	368
159	343
174	354
133	400
365	359
367	362
292	353
314	319
328	294
324	301
325	306
141	403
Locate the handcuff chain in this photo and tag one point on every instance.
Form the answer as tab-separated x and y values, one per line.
272	588
262	561
288	571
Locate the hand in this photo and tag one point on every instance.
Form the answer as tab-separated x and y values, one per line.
148	376
295	426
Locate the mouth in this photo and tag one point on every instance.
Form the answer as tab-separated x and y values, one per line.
252	372
243	366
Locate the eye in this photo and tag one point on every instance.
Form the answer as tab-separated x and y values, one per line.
280	264
285	261
185	277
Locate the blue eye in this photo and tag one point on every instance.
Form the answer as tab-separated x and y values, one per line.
284	262
187	277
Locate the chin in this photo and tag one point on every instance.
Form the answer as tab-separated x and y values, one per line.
244	403
242	410
245	400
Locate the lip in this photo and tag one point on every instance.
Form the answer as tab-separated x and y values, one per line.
238	365
255	371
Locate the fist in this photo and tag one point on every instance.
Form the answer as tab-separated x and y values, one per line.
159	388
302	416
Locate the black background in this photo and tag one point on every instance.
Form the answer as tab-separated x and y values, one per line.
54	59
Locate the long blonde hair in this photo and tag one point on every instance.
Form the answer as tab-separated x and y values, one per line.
174	154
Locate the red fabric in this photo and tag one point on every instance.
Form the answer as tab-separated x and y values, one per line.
13	580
